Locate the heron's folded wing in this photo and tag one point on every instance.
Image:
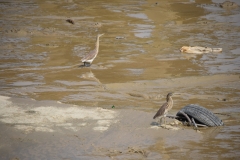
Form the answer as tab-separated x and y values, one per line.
89	56
161	111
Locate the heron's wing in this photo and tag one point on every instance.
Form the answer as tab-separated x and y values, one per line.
161	111
89	56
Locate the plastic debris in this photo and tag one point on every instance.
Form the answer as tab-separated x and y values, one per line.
200	50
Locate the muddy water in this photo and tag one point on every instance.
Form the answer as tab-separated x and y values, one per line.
138	63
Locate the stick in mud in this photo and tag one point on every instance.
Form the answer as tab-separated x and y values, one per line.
194	124
189	121
201	125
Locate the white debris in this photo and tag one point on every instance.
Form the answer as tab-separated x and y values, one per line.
200	50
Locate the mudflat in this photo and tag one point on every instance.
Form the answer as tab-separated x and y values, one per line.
50	108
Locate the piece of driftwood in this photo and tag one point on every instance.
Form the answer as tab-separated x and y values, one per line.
201	125
189	121
176	117
194	123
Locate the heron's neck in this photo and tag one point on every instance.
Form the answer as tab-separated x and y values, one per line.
97	44
170	100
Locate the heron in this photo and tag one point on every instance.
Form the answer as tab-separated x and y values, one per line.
88	59
163	110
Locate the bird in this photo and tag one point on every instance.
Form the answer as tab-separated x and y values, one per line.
163	110
88	59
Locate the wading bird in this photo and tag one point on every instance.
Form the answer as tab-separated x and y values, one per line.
163	111
88	59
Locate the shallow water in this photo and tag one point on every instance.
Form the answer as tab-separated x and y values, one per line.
138	62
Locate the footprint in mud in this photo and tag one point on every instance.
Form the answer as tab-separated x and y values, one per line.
18	32
31	112
228	5
97	24
138	151
11	31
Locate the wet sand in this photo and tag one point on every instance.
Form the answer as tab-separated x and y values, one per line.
50	130
53	109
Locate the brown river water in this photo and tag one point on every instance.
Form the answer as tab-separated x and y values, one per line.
139	62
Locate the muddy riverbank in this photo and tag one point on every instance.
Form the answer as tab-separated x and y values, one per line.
50	130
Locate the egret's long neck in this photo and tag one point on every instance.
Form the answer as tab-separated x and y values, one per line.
97	44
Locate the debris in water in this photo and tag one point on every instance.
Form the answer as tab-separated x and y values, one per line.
70	21
120	37
200	50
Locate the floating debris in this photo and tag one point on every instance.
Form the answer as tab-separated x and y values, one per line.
200	50
70	21
120	37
